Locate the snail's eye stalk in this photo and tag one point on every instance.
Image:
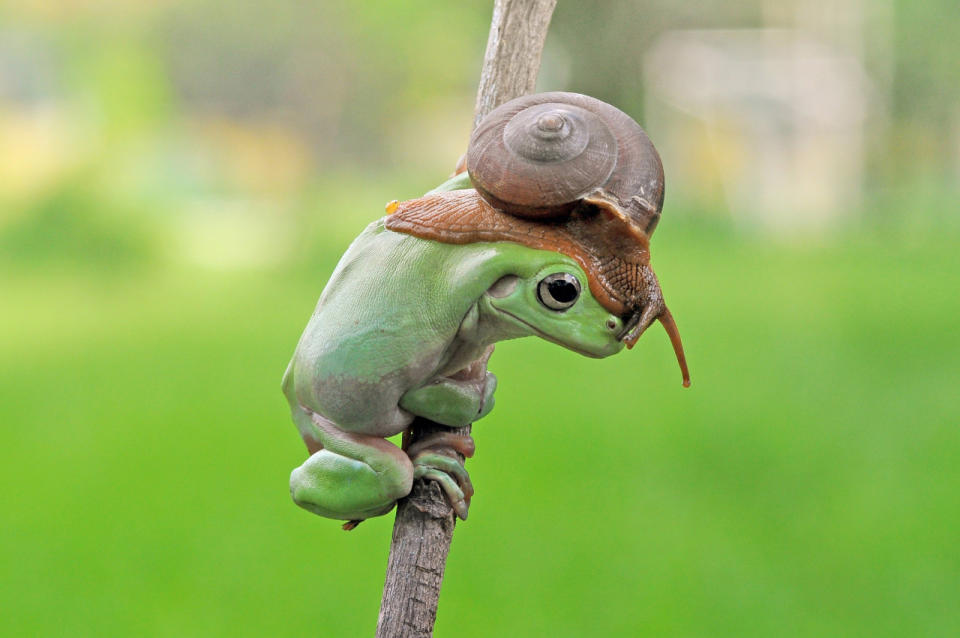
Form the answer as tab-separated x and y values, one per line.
641	320
671	327
638	323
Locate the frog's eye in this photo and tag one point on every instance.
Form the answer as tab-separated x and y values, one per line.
558	291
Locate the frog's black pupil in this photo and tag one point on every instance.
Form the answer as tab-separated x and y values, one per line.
562	290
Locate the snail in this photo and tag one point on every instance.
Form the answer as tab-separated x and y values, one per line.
568	173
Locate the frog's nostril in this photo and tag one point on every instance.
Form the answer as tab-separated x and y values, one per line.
611	324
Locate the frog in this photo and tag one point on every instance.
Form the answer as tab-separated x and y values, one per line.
403	330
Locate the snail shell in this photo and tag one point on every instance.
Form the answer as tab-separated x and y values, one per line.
540	155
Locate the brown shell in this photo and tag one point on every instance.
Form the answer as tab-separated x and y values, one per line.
541	155
614	255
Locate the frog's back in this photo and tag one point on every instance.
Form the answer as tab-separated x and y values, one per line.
382	325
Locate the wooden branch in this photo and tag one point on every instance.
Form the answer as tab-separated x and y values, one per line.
512	61
422	533
424	525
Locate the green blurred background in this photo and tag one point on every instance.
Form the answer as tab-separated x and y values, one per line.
178	180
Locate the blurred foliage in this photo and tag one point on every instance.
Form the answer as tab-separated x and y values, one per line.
177	181
50	230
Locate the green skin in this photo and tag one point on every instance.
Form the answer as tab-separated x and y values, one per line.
399	319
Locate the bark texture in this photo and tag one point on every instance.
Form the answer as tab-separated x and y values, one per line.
418	554
425	521
512	61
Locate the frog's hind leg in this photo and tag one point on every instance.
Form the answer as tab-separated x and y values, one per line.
353	477
308	431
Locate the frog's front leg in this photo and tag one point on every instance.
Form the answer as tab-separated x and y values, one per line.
452	401
353	477
458	399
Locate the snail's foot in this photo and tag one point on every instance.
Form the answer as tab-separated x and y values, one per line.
435	457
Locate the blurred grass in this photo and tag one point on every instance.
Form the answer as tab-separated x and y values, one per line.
806	485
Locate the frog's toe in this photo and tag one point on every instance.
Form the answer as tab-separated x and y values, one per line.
462	443
450	474
454	494
452	467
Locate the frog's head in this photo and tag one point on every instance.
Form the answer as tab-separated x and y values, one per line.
553	301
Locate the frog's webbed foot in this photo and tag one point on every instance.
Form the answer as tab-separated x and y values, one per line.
352	476
435	457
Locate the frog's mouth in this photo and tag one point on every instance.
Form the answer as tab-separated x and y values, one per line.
545	336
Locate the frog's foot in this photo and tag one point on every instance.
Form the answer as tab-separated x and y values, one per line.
353	477
444	441
338	486
435	457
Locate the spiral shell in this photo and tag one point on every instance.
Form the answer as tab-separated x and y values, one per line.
540	155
